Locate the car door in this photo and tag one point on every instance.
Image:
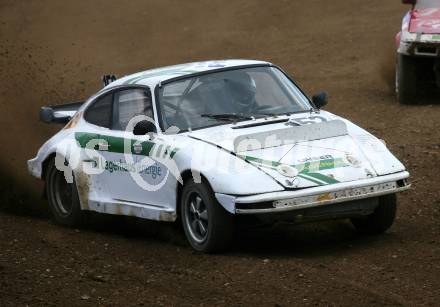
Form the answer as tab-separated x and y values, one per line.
99	122
133	174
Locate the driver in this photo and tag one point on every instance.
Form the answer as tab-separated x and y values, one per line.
242	89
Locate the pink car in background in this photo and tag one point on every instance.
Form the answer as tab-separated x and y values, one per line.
418	50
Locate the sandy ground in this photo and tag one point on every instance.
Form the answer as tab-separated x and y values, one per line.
55	51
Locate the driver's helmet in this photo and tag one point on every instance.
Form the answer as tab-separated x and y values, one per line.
242	88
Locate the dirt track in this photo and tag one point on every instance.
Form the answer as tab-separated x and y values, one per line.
54	51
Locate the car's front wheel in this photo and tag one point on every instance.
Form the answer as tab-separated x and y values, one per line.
207	225
62	197
381	219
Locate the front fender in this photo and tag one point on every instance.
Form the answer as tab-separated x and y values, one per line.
225	172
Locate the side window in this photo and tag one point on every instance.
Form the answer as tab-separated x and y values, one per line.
100	112
130	103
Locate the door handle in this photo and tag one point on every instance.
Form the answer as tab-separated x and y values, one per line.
94	162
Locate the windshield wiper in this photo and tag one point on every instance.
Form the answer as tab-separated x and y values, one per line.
262	123
228	116
269	114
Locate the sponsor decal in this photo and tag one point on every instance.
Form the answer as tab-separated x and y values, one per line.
306	170
312	159
153	171
324	197
137	148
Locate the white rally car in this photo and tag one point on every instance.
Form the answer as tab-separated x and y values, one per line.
210	142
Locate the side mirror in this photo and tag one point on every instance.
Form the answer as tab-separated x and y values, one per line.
144	127
412	2
46	115
49	116
320	100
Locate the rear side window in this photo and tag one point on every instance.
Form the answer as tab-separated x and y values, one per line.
100	112
130	103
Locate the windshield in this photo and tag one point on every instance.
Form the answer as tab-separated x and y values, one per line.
232	95
427	4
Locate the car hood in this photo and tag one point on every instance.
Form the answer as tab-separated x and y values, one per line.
309	150
425	21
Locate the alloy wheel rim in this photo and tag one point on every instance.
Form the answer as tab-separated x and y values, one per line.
196	218
63	194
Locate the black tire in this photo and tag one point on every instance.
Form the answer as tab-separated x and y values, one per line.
406	79
200	211
62	197
381	219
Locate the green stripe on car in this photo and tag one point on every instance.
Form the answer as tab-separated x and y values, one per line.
324	178
309	178
307	167
306	170
117	144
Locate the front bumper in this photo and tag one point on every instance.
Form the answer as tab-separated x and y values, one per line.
314	197
422	45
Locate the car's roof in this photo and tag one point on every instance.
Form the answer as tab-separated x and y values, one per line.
152	77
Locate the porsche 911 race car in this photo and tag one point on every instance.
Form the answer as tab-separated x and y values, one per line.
208	143
418	50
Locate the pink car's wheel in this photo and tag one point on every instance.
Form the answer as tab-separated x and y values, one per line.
406	79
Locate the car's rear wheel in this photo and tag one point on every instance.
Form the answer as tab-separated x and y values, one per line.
381	219
207	225
406	79
63	197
